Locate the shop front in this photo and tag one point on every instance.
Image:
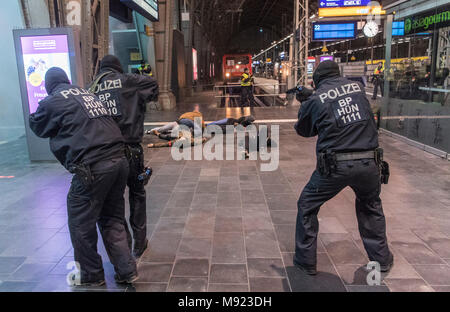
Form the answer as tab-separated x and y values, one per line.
416	101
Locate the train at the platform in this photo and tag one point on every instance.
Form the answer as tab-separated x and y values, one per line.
234	65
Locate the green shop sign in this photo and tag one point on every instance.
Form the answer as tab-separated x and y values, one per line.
436	18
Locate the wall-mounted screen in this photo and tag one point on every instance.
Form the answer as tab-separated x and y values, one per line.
39	53
334	30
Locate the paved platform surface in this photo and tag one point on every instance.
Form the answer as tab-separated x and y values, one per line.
227	226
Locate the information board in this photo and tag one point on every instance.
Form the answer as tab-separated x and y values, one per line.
323	31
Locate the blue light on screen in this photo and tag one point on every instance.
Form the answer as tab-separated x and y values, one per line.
398	28
333	31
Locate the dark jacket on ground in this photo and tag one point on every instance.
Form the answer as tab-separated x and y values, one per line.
125	96
339	113
79	128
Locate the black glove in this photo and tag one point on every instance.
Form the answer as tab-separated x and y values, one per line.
301	93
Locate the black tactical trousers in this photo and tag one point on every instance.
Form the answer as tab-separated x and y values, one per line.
363	177
378	83
102	204
137	198
247	98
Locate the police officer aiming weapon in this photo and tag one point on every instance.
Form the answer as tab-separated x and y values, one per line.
339	113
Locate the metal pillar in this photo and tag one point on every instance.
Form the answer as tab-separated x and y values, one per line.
91	34
301	23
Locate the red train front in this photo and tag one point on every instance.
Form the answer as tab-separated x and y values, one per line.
234	65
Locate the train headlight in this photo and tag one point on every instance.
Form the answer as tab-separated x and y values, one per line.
227	75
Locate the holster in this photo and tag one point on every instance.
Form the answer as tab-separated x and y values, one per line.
326	163
83	172
135	155
382	165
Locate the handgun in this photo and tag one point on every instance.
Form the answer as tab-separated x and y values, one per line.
301	93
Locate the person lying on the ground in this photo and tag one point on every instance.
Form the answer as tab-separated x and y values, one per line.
174	135
186	119
176	142
173	127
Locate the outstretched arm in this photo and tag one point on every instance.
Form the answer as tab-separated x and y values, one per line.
305	125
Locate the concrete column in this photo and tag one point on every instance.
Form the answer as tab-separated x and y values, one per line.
163	52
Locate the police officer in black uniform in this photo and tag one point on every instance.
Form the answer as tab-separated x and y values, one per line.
125	97
347	155
88	143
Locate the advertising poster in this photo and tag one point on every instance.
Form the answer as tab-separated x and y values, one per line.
40	53
194	64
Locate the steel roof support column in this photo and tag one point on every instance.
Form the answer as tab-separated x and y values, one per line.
94	35
301	23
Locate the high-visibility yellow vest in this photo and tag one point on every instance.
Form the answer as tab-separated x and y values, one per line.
378	71
246	80
143	71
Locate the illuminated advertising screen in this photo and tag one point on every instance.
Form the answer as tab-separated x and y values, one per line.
194	64
334	31
39	53
147	8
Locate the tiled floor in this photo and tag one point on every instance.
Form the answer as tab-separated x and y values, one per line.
227	226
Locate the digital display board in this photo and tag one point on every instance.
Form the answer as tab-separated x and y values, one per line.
342	3
398	28
334	31
147	8
40	53
350	11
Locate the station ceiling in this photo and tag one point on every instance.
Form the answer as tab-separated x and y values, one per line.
224	19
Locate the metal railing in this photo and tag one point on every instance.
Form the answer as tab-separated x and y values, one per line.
226	92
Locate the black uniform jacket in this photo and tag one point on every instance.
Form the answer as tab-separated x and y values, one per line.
340	114
125	97
79	127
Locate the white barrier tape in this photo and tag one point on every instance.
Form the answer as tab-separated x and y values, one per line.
262	121
415	117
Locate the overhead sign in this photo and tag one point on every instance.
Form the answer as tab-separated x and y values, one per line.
147	8
436	18
326	58
350	11
342	3
323	31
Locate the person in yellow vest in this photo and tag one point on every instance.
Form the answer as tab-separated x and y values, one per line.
378	81
247	89
145	69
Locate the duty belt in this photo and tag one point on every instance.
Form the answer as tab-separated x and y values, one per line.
355	155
